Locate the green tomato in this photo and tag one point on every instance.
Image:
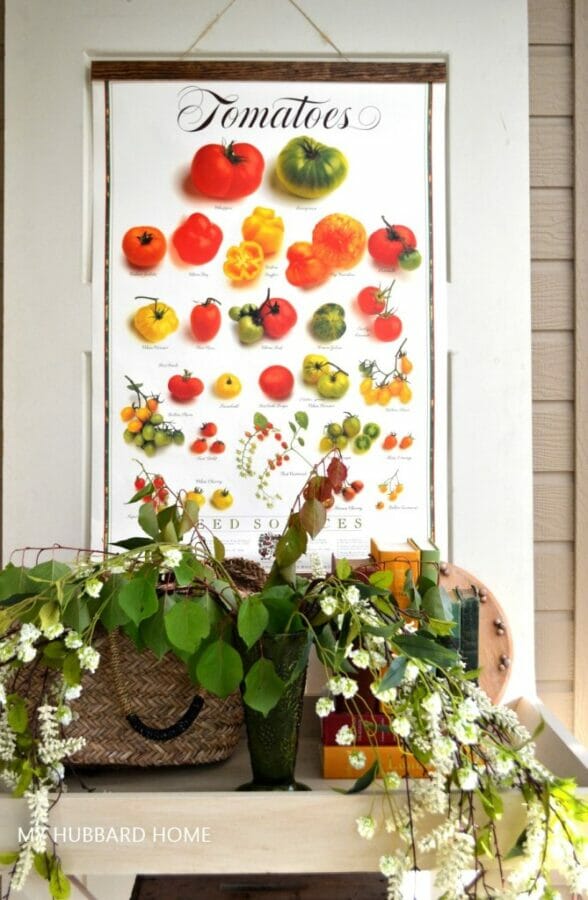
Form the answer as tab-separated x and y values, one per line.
161	438
149	448
249	331
138	440
334	429
235	313
328	322
351	426
148	432
128	436
156	419
309	169
410	260
362	443
372	430
340	442
333	385
178	437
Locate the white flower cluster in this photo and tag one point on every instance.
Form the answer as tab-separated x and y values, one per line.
317	570
52	748
172	557
93	587
324	707
38	804
342	684
7	738
89	658
366	827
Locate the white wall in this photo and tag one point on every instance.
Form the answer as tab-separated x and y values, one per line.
47	294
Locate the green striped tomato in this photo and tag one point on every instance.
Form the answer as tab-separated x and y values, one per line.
309	169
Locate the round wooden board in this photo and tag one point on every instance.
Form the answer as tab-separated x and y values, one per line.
495	648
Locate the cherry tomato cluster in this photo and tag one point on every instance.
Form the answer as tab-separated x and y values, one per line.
391	441
157	493
145	425
375	301
201	444
382	387
349	433
392	487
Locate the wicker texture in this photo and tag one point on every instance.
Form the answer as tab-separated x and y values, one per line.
159	691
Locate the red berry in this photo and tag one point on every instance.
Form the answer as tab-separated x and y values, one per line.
278	436
357	486
158	482
284	445
286	458
162	495
139	484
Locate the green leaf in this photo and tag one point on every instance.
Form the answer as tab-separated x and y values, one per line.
491	801
442	629
263	686
133	543
279	602
220	669
8	859
154	634
420	647
382	579
138	597
518	848
291	545
189	518
17	715
313	516
362	782
59	884
301	419
24	780
300	441
15	581
54	650
49	614
302	661
394	673
184	574
112	615
144	492
148	520
260	420
77	614
42	863
252	620
71	669
437	603
484	842
343	569
219	549
186	623
49	571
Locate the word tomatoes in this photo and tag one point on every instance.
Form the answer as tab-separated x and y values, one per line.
227	172
205	320
197	240
144	246
184	387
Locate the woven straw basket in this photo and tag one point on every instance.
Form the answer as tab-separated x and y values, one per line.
158	692
141	711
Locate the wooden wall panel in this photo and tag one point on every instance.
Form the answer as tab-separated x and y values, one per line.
554	507
554	645
552	291
552	223
553	437
553	365
554	576
551	152
551	81
550	22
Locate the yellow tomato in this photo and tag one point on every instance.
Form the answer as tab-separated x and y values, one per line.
127	413
197	496
313	366
156	321
395	387
264	227
371	396
227	386
222	498
399	488
143	413
405	394
244	262
405	365
135	426
366	385
384	396
326	444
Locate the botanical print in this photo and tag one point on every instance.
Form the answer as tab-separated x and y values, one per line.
273	254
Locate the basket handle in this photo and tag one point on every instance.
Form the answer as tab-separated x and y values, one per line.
135	721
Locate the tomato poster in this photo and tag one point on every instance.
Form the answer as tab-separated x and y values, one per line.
269	275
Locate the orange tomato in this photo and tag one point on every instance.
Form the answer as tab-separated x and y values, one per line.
406	442
384	396
339	241
144	246
244	262
395	387
405	394
405	365
143	413
152	404
134	426
305	269
127	413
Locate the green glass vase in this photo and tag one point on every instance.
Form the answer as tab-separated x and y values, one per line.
273	739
